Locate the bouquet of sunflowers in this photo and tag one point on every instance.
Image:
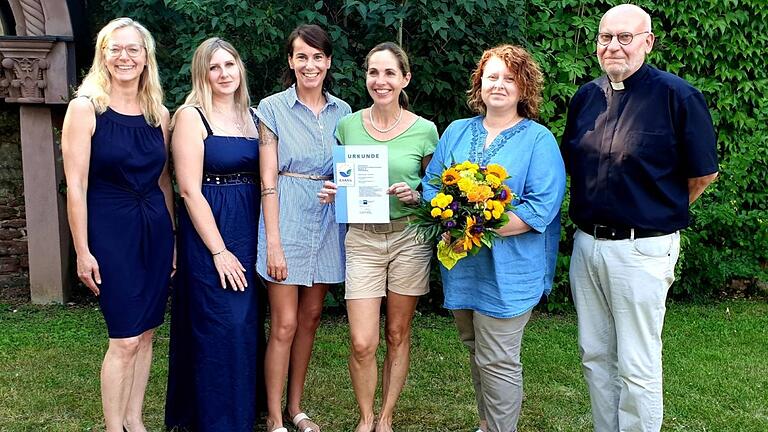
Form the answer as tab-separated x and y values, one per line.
471	204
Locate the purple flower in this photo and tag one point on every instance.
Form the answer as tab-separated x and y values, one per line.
477	229
503	195
450	224
454	206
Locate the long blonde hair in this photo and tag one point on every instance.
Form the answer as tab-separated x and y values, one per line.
201	94
97	85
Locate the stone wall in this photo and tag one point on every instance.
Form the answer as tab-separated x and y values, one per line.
14	261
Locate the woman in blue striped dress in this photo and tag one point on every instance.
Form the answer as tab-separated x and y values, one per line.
300	246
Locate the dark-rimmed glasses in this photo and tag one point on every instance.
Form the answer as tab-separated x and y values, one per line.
624	38
133	50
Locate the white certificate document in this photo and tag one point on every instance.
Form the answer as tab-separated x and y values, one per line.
361	173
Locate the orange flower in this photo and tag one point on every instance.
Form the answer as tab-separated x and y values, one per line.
479	193
450	176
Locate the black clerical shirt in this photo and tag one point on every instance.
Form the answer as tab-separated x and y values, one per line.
630	152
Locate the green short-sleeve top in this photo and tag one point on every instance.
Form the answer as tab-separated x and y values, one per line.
405	151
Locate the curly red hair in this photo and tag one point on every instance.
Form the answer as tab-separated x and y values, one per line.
528	78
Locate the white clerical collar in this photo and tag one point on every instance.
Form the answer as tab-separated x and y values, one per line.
617	85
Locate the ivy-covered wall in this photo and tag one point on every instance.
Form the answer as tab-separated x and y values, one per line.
717	45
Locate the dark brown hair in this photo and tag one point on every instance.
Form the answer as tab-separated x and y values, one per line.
315	37
402	62
527	75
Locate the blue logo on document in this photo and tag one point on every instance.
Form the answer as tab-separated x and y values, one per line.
345	174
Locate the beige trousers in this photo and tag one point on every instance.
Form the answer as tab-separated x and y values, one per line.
494	360
619	288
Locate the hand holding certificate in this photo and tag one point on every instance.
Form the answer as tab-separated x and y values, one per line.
361	174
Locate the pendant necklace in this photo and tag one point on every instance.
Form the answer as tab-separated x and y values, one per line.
238	125
394	125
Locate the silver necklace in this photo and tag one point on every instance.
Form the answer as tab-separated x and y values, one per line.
394	125
239	126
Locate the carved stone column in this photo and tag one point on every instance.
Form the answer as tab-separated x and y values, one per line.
35	74
26	63
48	240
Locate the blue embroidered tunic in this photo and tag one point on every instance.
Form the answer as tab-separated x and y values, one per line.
312	241
509	279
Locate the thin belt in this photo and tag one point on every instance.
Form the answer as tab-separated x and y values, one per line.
228	179
602	232
395	225
306	176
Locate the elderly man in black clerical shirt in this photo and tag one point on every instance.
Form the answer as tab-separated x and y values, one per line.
639	146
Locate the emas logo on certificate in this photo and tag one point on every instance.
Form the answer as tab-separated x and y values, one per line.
345	174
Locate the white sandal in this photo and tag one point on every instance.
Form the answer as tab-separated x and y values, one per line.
280	429
300	417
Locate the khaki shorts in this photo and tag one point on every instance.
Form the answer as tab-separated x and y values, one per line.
377	262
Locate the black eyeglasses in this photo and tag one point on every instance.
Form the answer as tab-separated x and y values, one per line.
624	38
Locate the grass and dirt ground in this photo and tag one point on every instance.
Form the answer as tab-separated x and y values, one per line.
715	360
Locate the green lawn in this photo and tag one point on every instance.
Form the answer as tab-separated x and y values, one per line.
715	358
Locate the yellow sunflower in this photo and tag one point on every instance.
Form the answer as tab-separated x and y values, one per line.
497	170
469	238
450	176
506	195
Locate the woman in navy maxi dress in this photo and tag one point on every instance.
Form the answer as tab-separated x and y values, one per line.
215	380
119	201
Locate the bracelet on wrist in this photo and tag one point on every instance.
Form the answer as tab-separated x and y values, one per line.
219	252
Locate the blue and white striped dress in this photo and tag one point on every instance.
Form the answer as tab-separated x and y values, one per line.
312	241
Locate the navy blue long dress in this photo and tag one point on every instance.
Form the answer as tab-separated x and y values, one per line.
129	228
215	377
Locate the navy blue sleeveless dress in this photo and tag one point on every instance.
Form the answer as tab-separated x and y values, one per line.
129	228
216	359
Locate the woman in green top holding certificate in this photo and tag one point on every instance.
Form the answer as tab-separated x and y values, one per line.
385	260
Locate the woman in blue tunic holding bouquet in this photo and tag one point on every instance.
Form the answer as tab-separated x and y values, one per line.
493	292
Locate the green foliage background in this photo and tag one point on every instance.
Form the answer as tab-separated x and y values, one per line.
717	45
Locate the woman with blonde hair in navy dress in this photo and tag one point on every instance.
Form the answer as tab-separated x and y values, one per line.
217	336
120	206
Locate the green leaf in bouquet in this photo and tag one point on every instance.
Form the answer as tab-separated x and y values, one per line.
487	239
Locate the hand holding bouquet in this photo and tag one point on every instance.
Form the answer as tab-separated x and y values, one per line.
471	204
